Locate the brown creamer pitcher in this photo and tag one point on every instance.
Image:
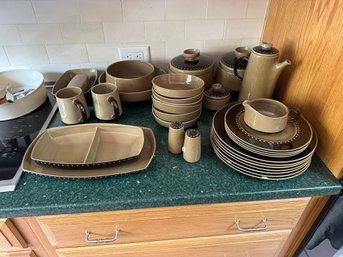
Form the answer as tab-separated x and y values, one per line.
262	72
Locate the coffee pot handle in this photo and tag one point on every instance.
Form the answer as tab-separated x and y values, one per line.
235	66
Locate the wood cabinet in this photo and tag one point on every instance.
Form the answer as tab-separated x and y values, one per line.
155	224
12	242
254	245
309	33
256	229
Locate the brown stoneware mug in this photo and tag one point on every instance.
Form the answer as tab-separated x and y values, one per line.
72	105
106	101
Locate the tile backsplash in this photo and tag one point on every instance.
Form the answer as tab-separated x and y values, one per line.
52	36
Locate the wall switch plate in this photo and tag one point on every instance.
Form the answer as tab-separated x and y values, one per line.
134	53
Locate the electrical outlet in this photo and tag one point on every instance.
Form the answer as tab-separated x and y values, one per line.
134	53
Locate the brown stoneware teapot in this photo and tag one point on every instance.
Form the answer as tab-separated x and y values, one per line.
262	72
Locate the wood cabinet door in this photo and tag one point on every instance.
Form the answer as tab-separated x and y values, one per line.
255	245
10	237
28	253
67	231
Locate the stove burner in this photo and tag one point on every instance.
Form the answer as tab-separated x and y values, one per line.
17	134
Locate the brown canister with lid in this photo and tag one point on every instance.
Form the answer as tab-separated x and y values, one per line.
192	63
225	71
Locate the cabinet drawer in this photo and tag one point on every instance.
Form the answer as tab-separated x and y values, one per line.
254	245
64	231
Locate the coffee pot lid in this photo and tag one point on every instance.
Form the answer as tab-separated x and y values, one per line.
217	90
191	60
266	48
230	58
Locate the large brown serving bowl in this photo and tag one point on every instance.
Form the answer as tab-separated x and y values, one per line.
131	75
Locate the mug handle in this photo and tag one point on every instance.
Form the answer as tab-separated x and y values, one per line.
82	109
294	117
115	107
235	66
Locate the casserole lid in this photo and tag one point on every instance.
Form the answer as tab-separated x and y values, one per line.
191	60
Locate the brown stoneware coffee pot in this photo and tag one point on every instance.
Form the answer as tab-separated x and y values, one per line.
262	72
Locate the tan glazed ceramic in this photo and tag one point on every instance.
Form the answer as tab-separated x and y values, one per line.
178	85
131	75
88	145
267	115
225	71
262	72
192	63
177	117
106	101
129	96
141	163
176	136
192	146
79	81
72	105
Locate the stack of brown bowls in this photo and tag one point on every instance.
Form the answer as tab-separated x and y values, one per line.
177	97
133	79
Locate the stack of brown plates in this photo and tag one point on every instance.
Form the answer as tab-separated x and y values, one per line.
90	150
274	157
177	97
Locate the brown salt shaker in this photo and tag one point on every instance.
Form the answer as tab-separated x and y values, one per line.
176	136
192	146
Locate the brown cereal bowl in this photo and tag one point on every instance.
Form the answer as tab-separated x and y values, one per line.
178	85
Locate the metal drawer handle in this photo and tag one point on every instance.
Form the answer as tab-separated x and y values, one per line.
104	240
264	227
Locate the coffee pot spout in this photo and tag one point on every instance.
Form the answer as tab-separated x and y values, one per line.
278	68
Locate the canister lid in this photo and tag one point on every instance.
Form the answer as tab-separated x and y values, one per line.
266	48
217	90
230	58
191	60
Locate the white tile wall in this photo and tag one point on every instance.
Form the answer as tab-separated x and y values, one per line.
3	58
56	11
9	35
27	54
138	10
16	12
67	53
101	10
40	33
56	35
82	33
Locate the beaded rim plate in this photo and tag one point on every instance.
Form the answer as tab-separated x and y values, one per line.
219	130
259	164
256	174
252	169
141	163
296	136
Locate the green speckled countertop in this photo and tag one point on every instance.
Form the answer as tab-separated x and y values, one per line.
168	181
